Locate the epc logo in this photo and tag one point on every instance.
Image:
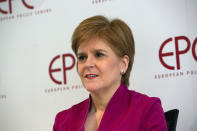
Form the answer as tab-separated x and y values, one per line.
9	2
63	59
178	52
8	6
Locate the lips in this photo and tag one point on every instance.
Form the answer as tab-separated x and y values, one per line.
91	76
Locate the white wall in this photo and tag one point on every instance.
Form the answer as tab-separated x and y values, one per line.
29	41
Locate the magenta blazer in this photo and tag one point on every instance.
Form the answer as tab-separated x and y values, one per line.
126	111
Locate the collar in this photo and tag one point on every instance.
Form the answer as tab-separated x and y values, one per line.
115	108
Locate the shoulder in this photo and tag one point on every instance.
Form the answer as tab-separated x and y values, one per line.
143	99
60	120
146	104
63	117
151	111
64	114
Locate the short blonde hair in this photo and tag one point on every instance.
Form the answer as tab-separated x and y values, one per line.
116	32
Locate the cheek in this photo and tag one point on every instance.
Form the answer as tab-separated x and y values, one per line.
111	66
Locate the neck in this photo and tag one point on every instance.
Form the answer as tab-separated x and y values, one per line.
100	99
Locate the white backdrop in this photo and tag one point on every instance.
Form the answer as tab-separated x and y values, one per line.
34	32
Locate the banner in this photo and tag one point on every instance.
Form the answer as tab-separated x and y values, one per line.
38	76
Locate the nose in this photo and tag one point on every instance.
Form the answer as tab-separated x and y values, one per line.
89	63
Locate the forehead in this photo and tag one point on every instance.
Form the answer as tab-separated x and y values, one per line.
94	44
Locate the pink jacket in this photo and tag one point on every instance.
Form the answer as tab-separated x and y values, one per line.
126	111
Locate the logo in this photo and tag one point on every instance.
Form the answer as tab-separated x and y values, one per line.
177	47
12	9
59	66
63	69
8	5
177	52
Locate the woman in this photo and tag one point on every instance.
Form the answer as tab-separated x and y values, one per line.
105	52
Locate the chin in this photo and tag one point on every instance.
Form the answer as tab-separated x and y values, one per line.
92	87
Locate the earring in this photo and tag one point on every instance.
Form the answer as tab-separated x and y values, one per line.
122	71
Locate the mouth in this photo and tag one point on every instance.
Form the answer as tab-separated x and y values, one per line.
91	76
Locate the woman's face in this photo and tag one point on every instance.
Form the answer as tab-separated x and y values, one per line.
98	66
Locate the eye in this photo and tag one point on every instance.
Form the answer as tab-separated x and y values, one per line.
81	58
99	54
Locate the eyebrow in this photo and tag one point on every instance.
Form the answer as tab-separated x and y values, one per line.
95	50
80	53
101	50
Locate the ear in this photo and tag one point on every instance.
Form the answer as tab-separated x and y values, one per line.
124	63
